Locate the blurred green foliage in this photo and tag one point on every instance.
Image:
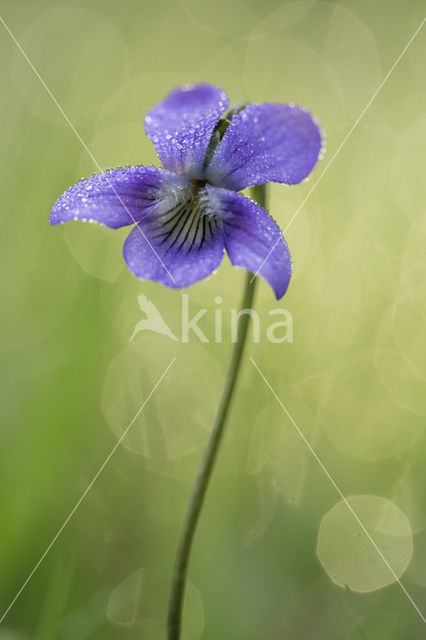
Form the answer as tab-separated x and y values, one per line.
353	379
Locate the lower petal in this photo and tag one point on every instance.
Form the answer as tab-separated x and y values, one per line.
176	249
253	239
118	197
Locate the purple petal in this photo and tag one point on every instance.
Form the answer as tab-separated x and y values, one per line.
177	248
253	239
181	125
117	197
266	143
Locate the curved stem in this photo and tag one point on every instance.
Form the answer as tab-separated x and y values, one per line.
206	467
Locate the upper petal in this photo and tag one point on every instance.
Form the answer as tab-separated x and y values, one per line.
253	239
266	143
181	126
118	197
177	248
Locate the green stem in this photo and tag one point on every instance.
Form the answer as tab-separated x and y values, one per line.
200	486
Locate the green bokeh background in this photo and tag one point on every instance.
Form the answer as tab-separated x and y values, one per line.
353	379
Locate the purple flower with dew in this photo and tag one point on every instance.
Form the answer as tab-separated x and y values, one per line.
189	212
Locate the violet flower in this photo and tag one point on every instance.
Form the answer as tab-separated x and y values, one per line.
187	213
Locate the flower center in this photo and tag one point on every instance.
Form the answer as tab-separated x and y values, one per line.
190	221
